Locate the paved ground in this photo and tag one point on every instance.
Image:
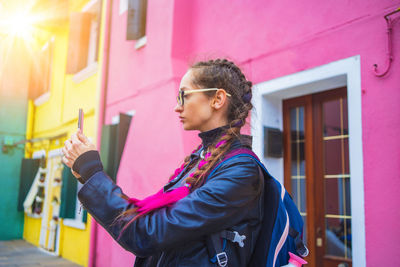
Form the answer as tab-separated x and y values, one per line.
18	253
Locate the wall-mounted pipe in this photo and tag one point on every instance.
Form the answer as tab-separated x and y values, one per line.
108	4
389	23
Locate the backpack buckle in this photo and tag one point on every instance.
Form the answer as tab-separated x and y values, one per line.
239	238
222	259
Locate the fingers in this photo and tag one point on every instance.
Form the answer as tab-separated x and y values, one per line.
75	140
67	162
77	175
76	146
82	137
69	151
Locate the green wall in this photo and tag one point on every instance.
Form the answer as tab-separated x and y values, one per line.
14	81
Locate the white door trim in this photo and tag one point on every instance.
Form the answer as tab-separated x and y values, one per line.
46	204
267	100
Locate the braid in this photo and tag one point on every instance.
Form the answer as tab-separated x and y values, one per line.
183	166
221	73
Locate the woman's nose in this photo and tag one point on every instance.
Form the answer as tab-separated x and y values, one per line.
178	108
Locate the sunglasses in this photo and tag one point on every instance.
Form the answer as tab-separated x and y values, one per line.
181	94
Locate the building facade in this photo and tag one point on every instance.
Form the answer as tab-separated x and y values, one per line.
67	79
315	91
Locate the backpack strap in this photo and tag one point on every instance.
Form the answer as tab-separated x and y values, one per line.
216	250
236	153
301	249
233	236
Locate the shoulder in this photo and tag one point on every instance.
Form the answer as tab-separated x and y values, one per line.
238	163
241	170
240	155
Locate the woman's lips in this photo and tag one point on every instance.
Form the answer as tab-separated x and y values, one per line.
181	119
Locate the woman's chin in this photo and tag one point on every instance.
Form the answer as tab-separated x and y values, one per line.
188	127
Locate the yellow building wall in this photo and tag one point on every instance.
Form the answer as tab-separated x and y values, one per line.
32	229
59	115
75	243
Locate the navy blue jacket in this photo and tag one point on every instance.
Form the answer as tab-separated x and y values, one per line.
231	199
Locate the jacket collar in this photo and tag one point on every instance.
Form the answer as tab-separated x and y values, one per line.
209	137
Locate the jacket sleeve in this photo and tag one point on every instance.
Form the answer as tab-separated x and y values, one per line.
219	204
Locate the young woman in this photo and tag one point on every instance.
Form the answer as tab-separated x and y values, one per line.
173	226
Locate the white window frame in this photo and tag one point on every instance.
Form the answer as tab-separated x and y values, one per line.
268	98
37	155
123	6
115	119
43	230
142	41
77	222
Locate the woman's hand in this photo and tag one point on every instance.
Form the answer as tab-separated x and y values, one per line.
74	147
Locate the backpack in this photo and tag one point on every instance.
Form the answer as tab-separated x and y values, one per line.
279	234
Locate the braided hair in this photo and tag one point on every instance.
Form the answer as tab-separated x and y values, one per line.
218	73
221	73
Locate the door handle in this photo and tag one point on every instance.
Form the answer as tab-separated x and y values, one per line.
319	238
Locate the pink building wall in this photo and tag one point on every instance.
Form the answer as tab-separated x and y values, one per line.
269	39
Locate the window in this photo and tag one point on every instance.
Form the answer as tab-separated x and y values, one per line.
40	77
83	45
136	25
29	169
34	199
70	209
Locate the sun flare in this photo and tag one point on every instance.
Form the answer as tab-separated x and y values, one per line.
18	25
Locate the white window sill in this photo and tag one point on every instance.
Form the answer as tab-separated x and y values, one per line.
42	99
141	42
74	223
85	73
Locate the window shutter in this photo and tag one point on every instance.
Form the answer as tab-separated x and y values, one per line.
29	168
113	139
35	81
136	26
84	216
107	148
122	133
40	73
78	43
68	194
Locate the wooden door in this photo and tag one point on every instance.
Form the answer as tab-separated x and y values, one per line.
316	170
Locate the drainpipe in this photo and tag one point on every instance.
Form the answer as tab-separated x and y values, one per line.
389	25
29	128
101	117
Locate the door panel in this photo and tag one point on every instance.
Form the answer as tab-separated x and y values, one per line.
316	160
298	158
298	174
335	177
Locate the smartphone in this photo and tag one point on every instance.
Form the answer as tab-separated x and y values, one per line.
80	119
80	126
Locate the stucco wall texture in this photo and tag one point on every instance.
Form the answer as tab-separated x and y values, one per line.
268	39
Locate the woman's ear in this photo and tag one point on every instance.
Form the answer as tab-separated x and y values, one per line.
219	100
